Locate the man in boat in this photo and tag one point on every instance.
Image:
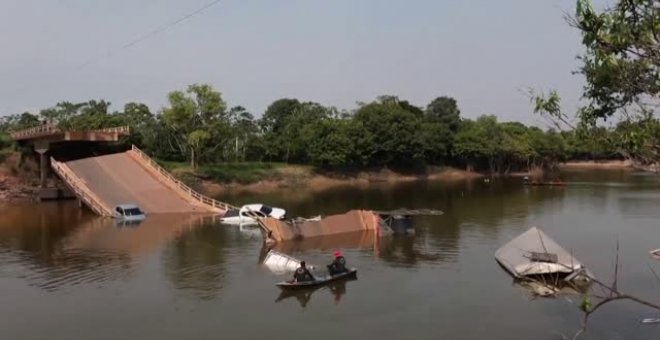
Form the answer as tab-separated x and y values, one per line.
302	274
338	265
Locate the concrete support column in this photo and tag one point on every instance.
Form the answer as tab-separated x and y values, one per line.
43	169
42	148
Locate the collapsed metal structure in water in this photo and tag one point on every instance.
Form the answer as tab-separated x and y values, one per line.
378	222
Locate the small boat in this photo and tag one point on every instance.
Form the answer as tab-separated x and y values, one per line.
655	254
243	215
289	285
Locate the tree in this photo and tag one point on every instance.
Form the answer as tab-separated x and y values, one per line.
277	113
196	117
390	134
294	137
621	67
478	143
245	132
445	110
332	145
622	61
21	121
142	124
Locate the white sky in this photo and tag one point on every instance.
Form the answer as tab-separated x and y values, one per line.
484	53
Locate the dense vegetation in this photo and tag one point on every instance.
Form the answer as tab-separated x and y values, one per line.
198	127
621	66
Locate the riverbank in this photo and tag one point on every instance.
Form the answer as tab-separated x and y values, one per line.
15	178
292	176
606	164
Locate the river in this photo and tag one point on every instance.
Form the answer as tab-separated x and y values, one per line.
65	274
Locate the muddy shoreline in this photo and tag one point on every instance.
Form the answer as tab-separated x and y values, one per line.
15	189
319	182
610	164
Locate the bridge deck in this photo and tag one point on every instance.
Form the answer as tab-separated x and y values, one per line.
118	179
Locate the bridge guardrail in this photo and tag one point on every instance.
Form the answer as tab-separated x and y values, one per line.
188	190
52	129
36	131
74	183
118	129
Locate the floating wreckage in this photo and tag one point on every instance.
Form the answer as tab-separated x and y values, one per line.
655	254
280	263
535	258
380	222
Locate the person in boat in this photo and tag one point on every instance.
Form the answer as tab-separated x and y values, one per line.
302	274
338	265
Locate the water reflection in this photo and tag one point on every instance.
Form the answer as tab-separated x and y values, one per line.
357	240
407	250
336	290
59	245
195	261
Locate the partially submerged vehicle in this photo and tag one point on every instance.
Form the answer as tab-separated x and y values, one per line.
533	256
246	214
129	213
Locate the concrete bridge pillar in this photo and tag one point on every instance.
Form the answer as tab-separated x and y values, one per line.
42	148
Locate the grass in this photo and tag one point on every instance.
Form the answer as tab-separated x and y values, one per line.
233	172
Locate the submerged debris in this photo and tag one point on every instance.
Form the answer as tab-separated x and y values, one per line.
380	222
542	264
655	254
280	263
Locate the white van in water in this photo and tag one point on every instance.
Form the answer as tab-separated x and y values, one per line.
129	212
241	216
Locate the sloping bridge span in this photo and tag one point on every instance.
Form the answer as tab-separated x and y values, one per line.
104	182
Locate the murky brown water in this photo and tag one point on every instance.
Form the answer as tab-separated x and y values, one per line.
65	274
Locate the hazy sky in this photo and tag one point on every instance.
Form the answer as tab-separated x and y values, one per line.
482	52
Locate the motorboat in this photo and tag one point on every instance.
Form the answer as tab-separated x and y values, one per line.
245	215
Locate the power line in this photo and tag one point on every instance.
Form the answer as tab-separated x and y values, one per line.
154	32
131	43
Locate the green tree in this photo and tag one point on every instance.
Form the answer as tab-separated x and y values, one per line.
276	115
246	133
390	134
333	144
622	60
478	143
294	137
621	66
445	110
197	118
142	123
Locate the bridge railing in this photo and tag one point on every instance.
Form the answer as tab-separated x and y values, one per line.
186	189
40	130
118	129
75	183
48	129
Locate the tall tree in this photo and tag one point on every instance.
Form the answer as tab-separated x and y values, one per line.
622	60
195	117
390	134
445	110
621	66
277	113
